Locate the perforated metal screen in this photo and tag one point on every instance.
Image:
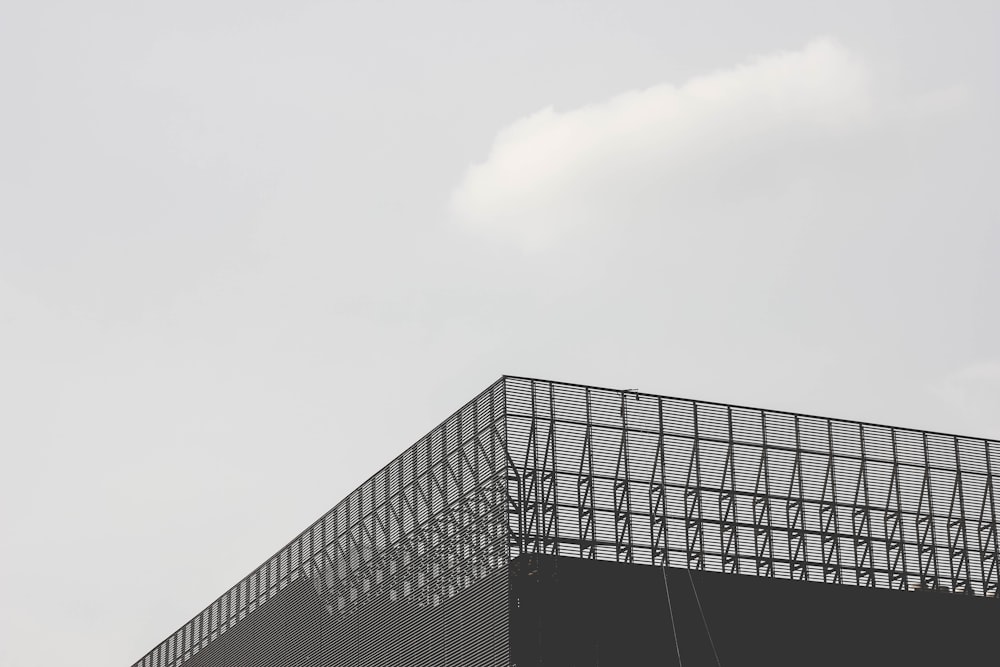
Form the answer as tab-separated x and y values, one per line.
411	568
422	531
633	477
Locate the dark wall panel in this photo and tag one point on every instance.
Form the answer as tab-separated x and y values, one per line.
578	613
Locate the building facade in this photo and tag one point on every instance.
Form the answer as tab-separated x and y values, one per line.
549	523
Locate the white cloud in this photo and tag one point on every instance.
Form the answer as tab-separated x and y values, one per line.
553	170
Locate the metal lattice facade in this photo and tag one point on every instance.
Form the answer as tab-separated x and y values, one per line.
423	529
639	478
537	467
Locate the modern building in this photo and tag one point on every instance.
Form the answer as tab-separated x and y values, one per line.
546	523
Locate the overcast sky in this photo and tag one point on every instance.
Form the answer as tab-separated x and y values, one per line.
249	251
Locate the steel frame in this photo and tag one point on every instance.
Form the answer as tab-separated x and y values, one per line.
735	489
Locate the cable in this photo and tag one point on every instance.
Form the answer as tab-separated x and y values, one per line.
670	608
703	619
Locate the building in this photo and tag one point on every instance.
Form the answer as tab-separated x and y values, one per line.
546	523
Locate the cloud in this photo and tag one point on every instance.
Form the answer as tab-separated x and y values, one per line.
555	170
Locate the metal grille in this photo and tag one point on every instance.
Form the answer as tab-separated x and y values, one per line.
537	467
420	531
638	478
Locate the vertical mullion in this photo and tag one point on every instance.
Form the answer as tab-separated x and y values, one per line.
988	522
895	537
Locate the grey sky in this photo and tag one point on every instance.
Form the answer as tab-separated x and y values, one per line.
251	250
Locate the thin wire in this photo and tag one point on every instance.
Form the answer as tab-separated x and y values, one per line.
670	608
703	620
